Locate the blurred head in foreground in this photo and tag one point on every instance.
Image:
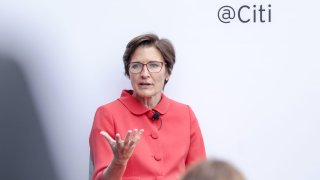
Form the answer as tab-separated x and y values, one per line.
212	170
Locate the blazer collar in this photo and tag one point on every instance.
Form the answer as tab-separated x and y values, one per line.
136	107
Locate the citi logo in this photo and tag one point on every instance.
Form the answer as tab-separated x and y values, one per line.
245	14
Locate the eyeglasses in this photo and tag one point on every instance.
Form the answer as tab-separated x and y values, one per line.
152	66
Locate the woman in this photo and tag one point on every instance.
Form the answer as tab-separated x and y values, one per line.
144	134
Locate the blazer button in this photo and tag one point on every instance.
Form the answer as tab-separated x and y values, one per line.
157	157
154	135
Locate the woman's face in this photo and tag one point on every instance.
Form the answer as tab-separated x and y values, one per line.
146	84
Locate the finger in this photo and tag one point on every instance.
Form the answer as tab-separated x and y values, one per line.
127	139
136	136
108	137
134	139
118	139
135	132
141	132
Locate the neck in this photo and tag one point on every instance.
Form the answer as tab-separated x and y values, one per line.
149	102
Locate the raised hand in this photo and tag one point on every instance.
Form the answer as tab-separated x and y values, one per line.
123	149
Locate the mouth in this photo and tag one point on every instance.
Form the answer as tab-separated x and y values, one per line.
145	84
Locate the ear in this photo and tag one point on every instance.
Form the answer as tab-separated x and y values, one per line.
167	76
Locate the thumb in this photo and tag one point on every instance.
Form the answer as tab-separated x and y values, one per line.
108	137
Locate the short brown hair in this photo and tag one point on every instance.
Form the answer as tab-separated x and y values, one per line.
212	170
163	45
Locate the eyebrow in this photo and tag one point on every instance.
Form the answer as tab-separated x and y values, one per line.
147	62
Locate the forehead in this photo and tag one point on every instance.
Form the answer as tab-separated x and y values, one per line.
145	54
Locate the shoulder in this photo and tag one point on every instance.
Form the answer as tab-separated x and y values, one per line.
110	106
105	114
177	104
108	111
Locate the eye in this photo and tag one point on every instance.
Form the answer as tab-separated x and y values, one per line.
135	65
154	64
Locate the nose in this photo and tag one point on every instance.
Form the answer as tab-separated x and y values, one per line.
145	71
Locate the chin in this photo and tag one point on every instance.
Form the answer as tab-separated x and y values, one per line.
145	93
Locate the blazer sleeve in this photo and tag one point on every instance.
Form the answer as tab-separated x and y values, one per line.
196	150
100	150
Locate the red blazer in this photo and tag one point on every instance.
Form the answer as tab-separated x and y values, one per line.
166	147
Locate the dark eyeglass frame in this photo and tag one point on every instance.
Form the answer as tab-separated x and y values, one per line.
161	64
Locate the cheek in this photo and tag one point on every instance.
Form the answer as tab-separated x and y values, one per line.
160	80
132	79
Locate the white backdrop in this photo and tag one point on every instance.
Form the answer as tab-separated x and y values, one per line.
255	87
